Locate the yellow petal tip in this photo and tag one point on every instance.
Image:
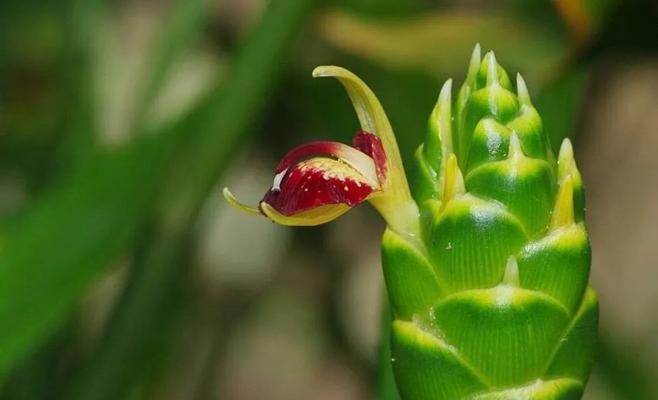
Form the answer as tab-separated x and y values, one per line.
233	201
323	71
316	216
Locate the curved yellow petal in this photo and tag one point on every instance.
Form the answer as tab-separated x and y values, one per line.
396	204
232	200
312	217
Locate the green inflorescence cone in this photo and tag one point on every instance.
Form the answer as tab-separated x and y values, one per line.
494	303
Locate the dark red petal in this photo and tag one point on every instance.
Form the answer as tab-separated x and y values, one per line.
309	150
371	145
317	182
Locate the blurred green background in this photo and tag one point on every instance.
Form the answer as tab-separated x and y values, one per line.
123	275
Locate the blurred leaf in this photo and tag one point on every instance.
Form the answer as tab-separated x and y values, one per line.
80	125
69	237
37	376
212	134
55	251
184	23
618	364
46	107
381	8
438	42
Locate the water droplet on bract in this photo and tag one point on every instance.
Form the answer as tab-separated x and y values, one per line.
392	359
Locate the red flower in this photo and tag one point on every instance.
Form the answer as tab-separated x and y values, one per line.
319	181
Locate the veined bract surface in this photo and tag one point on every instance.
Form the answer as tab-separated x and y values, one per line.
486	257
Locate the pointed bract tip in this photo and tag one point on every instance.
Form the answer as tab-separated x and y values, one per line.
446	91
474	64
444	115
515	151
565	163
454	180
444	102
444	99
440	125
563	213
566	149
522	90
492	68
511	277
476	55
233	201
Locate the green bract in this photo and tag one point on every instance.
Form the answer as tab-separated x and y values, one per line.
494	304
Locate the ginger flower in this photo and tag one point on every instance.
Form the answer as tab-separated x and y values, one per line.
317	182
